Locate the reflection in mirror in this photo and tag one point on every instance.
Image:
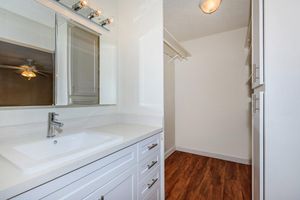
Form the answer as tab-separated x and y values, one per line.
49	59
78	64
27	52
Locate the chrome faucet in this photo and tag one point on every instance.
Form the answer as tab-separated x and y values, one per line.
53	124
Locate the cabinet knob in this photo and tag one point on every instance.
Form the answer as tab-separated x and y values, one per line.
101	198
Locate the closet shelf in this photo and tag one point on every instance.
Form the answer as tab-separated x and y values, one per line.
173	48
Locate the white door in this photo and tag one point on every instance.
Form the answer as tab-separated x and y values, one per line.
122	187
258	146
257	43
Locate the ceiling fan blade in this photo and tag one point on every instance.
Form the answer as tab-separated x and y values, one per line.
41	73
45	71
10	67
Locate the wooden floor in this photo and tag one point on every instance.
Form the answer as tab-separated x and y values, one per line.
193	177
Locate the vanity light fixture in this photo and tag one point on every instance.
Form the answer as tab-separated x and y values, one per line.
95	13
79	5
107	21
209	6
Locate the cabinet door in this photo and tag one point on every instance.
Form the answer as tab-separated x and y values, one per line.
79	183
258	146
155	195
257	43
84	66
122	187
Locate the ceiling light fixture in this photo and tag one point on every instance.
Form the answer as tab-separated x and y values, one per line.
79	5
28	73
209	6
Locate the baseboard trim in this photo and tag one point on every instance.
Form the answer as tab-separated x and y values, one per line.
170	151
215	155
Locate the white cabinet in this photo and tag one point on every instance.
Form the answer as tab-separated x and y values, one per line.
149	177
257	43
129	174
154	195
149	184
258	145
122	187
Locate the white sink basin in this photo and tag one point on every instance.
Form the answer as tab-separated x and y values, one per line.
45	153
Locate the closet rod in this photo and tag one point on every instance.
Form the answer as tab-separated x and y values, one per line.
174	49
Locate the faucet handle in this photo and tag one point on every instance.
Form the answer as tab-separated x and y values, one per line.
52	115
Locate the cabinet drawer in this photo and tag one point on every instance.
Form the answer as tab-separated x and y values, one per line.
83	181
149	164
154	195
149	184
148	146
122	187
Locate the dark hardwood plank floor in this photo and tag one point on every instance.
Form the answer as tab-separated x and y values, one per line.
194	177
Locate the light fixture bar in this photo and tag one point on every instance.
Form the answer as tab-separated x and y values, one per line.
93	15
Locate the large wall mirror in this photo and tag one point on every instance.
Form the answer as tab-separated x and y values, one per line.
49	60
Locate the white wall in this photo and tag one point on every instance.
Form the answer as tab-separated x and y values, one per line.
169	98
141	56
22	30
282	100
212	103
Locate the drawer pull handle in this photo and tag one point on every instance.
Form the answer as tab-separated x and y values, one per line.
153	182
152	146
101	198
152	164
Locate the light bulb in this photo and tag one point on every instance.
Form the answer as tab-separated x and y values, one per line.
107	21
83	3
110	20
28	74
79	5
95	13
209	6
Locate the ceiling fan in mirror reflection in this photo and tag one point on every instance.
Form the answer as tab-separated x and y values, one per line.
28	70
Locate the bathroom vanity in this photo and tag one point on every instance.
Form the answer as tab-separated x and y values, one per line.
130	168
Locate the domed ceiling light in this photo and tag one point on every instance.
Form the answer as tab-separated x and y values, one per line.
209	6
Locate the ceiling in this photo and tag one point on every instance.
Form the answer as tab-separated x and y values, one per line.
185	20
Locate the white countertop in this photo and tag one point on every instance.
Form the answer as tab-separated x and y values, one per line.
14	181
